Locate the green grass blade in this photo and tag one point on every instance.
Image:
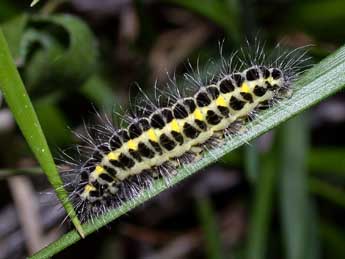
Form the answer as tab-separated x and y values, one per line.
313	246
211	232
327	191
293	187
18	100
323	161
261	210
252	163
323	80
328	160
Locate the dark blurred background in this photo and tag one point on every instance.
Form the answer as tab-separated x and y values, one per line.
281	196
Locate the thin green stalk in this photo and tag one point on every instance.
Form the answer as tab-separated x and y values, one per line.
210	229
261	211
327	160
327	191
252	164
293	192
21	107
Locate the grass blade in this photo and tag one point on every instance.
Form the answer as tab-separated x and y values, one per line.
330	160
293	187
208	222
261	211
17	99
327	191
252	163
323	80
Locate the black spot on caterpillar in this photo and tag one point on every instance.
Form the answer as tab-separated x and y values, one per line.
120	163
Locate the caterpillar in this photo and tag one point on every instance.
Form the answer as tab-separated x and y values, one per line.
118	163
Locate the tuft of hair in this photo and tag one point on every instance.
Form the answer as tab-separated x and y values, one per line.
115	162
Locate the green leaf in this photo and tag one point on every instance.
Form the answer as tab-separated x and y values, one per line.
261	210
293	187
252	163
66	52
328	159
21	107
53	122
327	191
321	81
41	60
53	51
13	31
325	160
313	243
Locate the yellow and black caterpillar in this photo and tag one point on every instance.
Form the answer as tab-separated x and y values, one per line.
124	161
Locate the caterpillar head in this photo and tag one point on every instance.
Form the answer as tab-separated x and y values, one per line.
279	83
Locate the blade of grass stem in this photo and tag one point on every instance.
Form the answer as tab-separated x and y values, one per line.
251	164
261	211
293	186
19	102
328	160
210	229
327	191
